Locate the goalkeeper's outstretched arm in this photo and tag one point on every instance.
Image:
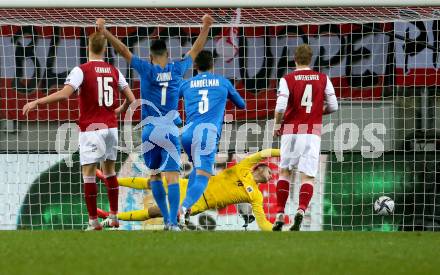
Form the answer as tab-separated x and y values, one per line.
253	159
119	47
260	216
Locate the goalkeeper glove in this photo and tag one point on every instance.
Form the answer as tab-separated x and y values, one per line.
247	220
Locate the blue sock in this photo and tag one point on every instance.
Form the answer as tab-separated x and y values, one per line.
160	197
195	191
191	178
174	201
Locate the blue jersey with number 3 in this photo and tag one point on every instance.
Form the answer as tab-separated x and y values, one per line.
160	86
205	97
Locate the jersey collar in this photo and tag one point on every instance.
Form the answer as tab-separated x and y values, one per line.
304	69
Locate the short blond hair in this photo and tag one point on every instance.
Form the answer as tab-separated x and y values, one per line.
303	55
97	42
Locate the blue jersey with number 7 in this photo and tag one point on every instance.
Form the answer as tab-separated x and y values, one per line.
160	86
205	97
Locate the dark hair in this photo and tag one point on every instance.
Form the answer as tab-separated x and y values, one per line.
204	61
158	47
97	42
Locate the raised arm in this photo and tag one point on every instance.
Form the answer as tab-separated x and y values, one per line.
115	42
280	108
203	36
60	95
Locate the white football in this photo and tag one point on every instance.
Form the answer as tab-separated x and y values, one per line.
384	206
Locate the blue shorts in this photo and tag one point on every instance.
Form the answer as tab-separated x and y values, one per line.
161	150
200	144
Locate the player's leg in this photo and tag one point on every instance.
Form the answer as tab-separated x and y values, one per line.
308	167
110	137
288	159
305	195
138	183
141	215
135	215
111	182
90	195
152	157
171	171
172	178
282	192
203	157
135	183
91	152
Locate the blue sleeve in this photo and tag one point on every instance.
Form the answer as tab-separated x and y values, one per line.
141	66
181	89
183	65
234	96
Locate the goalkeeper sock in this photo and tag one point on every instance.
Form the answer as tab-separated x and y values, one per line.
112	192
174	201
90	194
282	191
136	183
136	215
160	197
305	194
195	191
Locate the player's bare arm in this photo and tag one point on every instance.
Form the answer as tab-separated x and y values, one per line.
203	36
129	98
280	108
60	95
331	102
119	47
277	125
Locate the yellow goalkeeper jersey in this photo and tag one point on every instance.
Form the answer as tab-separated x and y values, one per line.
231	186
237	185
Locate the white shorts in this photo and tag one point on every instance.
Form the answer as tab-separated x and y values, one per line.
301	151
97	146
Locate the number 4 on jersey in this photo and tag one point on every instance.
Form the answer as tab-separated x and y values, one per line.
306	100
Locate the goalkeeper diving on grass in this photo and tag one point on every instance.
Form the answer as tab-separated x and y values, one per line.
234	185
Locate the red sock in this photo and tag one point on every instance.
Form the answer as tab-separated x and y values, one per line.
305	194
283	186
113	193
90	194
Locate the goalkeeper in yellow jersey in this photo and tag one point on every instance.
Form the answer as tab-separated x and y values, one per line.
234	185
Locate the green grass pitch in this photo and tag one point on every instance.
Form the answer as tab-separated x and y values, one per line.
120	252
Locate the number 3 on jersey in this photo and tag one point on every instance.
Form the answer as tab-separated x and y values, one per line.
105	90
204	102
306	100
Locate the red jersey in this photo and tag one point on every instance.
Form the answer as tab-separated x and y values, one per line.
100	83
306	95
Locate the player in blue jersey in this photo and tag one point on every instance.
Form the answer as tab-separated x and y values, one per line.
160	81
205	97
